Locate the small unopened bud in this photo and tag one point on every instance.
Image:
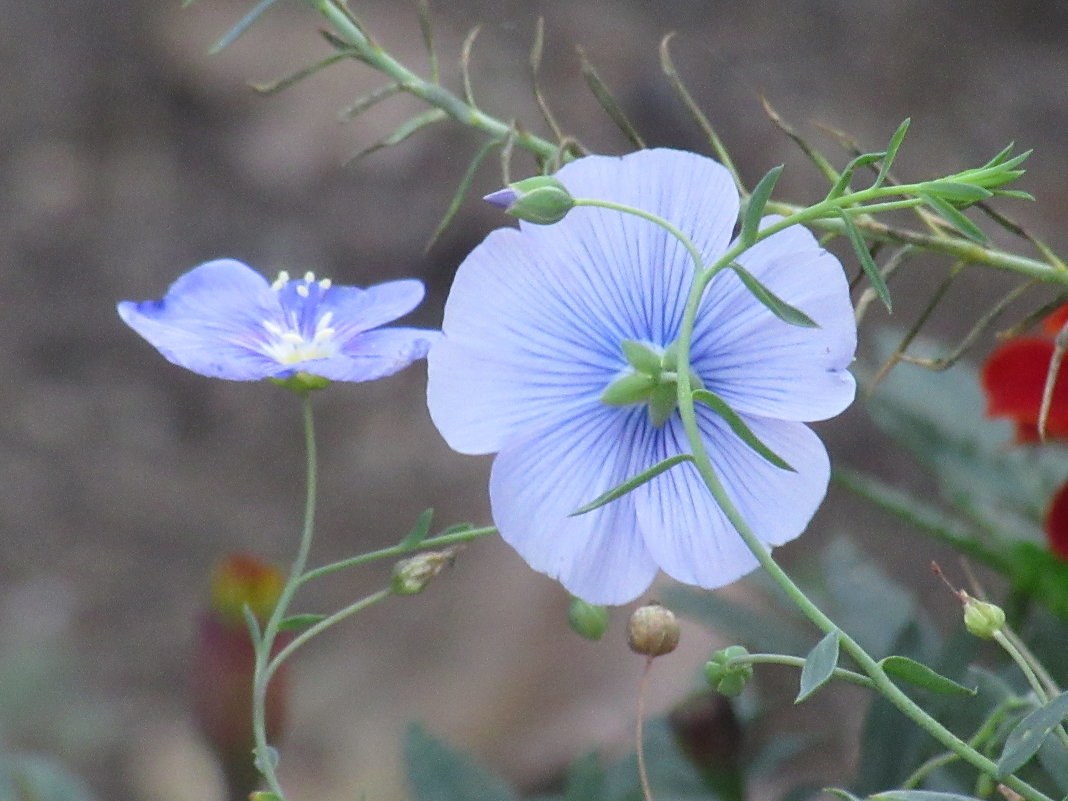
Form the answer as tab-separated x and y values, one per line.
652	630
587	620
981	618
410	576
726	678
542	200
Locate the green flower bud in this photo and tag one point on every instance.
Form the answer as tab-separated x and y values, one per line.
542	200
652	630
410	576
724	677
587	620
981	618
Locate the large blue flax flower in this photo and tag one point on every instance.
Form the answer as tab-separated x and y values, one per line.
534	331
224	320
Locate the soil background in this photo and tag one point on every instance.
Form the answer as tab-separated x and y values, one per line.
129	155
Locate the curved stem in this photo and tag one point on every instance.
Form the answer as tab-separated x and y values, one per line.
639	727
262	671
799	662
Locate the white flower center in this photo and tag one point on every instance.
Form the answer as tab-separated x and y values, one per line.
303	333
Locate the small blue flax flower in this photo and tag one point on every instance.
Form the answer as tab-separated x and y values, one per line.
224	320
545	330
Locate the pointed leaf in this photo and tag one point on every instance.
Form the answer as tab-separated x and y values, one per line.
299	622
867	263
243	25
738	426
954	217
369	100
819	665
298	76
921	795
956	192
461	192
901	667
419	530
403	131
608	102
891	152
845	795
776	305
632	483
1028	735
754	208
841	186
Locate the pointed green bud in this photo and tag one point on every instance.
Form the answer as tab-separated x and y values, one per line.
726	678
587	620
981	618
410	576
652	630
541	200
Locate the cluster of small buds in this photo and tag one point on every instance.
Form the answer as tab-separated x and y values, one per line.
725	675
652	630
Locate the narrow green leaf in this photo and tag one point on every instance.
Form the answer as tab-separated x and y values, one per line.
456	528
845	795
921	795
738	426
419	530
1000	157
403	131
461	192
284	83
901	667
956	192
954	217
426	27
608	102
1028	735
891	152
841	186
1014	193
754	208
369	100
867	263
299	622
819	665
243	25
632	483
776	305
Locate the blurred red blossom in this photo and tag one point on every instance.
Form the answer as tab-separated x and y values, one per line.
223	667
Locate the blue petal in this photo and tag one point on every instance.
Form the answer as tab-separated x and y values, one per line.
535	317
210	320
357	310
684	528
537	482
374	354
763	366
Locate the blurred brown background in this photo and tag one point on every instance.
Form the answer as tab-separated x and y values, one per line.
128	155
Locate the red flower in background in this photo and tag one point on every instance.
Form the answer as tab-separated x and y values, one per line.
224	663
1014	380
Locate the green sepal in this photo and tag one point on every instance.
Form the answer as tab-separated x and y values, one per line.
776	305
738	426
299	622
1028	735
954	217
587	620
819	665
754	208
419	530
662	403
641	357
901	667
628	389
891	152
301	383
632	483
867	263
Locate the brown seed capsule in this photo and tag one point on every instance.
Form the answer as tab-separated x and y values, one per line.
652	630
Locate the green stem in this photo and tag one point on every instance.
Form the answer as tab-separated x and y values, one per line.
1026	667
262	671
799	662
393	551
